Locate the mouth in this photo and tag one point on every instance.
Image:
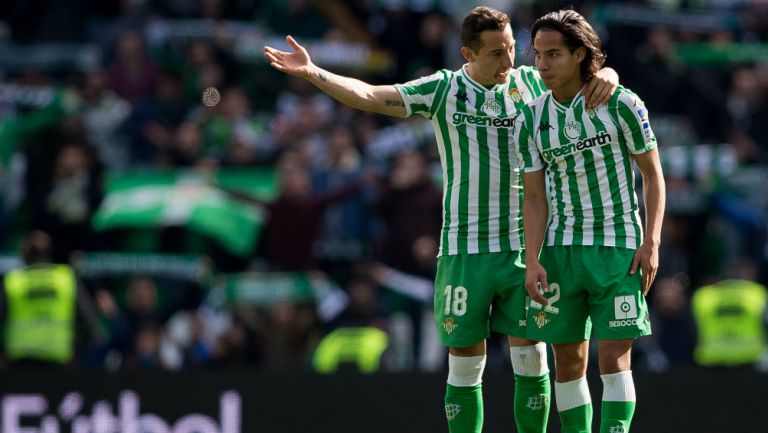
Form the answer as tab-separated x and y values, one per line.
503	74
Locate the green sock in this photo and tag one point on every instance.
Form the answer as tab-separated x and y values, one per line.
532	397
618	402
577	419
574	405
616	416
464	408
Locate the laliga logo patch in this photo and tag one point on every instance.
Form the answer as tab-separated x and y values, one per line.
572	130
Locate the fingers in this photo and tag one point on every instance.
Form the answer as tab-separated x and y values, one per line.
646	283
292	42
536	295
635	263
536	284
648	277
602	96
589	93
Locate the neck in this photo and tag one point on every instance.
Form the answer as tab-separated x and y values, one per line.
568	90
471	72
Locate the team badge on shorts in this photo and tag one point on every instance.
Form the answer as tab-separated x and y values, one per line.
449	326
541	319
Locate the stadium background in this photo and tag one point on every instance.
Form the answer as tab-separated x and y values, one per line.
223	243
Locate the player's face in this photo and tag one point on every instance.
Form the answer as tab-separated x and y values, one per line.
558	66
493	62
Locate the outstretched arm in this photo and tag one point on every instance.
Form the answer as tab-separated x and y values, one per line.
348	91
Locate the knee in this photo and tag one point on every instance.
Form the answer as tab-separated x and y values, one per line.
529	360
465	370
615	356
571	362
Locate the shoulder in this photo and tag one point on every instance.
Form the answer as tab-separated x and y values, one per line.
624	97
437	77
528	72
540	101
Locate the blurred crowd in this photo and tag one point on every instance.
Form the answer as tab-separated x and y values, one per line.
91	89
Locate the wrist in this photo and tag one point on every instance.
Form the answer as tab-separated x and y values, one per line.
652	242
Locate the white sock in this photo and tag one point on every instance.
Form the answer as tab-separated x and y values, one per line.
529	360
465	370
618	386
572	394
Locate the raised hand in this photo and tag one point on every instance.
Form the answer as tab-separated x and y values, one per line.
296	63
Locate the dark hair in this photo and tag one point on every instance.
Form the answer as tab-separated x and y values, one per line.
36	248
480	19
577	33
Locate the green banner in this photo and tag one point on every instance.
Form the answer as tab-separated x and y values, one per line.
193	199
267	288
705	54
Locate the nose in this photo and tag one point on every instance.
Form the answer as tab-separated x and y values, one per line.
508	60
541	64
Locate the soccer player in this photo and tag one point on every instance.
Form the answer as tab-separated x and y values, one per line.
586	275
480	264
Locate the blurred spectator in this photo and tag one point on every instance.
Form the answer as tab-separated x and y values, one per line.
294	217
235	135
410	207
673	326
42	305
133	74
346	225
290	335
154	118
731	318
66	207
103	114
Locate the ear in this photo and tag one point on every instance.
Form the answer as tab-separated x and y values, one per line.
580	53
468	54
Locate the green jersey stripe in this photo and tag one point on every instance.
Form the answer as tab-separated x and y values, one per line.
588	159
473	127
464	180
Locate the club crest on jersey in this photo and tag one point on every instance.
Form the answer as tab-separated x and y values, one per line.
572	129
541	319
449	326
591	113
491	108
515	95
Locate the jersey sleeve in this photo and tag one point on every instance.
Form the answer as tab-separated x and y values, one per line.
422	95
634	122
532	81
528	155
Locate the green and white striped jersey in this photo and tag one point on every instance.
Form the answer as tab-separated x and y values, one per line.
588	166
482	198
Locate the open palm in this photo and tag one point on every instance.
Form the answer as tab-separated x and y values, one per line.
296	63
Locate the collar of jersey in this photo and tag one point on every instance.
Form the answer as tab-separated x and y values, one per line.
577	99
477	85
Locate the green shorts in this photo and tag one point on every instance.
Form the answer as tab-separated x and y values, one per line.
477	293
589	282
